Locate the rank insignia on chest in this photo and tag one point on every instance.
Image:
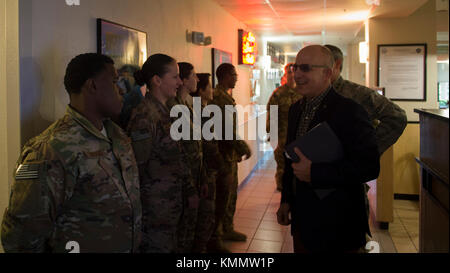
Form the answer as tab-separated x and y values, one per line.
27	171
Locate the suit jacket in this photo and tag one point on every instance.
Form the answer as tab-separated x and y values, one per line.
339	221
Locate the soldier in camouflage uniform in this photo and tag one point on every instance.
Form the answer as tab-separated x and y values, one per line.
211	165
390	120
194	153
231	152
167	189
284	96
78	181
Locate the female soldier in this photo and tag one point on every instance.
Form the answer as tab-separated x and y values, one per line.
193	150
211	165
165	179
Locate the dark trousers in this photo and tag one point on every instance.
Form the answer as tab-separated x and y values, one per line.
300	248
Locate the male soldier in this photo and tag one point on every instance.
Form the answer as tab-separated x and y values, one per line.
284	96
390	118
78	181
232	152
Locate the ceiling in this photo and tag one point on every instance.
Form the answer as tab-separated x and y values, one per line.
291	23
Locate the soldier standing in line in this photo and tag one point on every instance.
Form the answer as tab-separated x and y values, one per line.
211	164
78	181
194	153
167	189
284	96
231	152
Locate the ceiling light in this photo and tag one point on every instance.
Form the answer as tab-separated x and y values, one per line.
373	2
355	16
363	52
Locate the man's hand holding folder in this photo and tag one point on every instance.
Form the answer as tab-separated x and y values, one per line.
302	169
320	144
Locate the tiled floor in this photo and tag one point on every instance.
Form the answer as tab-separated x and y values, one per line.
258	201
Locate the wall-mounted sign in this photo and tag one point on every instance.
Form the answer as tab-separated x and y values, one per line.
247	47
402	71
126	46
219	57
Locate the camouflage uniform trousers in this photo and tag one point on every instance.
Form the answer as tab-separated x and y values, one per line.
205	217
279	158
231	181
187	227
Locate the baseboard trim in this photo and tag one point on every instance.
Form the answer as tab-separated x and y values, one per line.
401	196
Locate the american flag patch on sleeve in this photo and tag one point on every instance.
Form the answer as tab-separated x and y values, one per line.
27	171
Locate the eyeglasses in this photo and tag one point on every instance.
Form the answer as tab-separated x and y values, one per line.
305	67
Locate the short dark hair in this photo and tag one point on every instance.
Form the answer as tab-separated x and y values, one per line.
83	67
223	70
203	80
337	53
155	65
185	70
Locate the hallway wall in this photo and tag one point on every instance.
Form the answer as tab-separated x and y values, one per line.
52	33
9	97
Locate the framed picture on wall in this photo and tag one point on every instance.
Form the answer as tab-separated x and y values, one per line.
219	57
402	71
126	46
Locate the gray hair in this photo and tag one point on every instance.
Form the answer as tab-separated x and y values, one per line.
337	53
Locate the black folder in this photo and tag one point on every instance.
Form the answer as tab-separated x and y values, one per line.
320	145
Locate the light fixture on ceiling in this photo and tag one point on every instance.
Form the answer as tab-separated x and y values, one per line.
373	2
363	52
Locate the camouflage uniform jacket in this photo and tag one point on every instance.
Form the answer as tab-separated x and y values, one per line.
284	97
231	150
192	148
74	184
212	159
389	118
165	177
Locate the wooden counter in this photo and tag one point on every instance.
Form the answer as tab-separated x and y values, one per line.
434	192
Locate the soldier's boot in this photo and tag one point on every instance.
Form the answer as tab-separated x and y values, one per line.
234	235
216	246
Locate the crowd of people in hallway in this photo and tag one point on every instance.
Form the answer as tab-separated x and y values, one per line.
110	177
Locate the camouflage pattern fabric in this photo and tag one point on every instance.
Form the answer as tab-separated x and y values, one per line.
72	183
193	150
284	97
206	214
389	118
166	180
231	152
227	224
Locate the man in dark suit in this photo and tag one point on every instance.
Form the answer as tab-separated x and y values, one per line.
338	220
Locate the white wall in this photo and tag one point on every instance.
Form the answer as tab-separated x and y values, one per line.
9	97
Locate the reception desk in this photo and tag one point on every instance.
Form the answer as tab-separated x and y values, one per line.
434	191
